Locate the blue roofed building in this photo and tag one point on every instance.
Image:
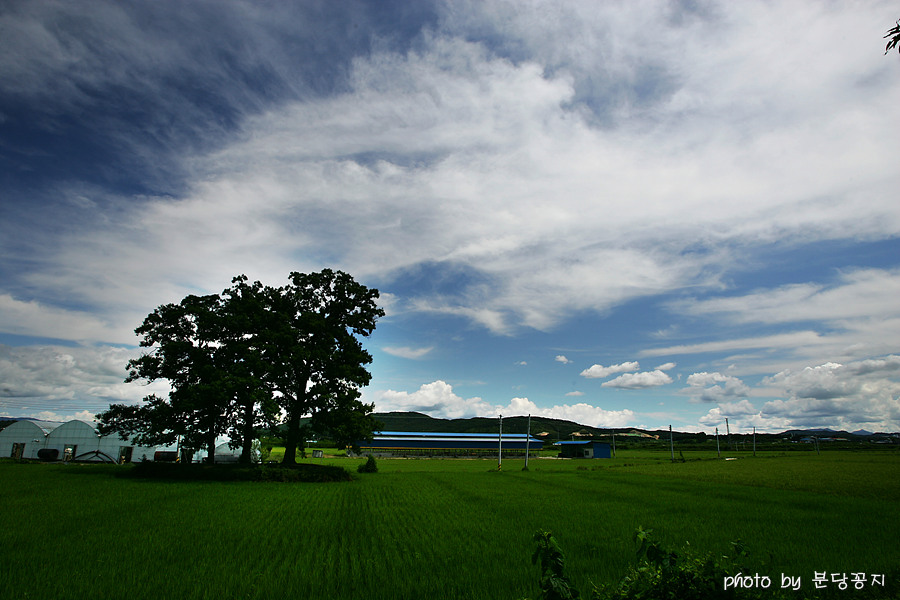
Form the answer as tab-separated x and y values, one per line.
417	443
584	449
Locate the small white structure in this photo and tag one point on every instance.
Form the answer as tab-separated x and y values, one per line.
226	454
73	440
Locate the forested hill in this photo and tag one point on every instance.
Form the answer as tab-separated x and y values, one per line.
559	429
414	421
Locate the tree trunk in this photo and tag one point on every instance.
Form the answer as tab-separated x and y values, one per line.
294	411
211	450
290	440
247	442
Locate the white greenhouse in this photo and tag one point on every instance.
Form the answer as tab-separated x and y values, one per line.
73	440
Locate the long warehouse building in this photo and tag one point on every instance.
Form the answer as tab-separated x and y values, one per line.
416	443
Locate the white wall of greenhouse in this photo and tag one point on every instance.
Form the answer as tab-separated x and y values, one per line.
32	434
73	440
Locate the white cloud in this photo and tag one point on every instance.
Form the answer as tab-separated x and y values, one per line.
575	393
407	352
561	163
859	315
599	371
864	293
588	414
33	318
637	381
666	366
858	395
781	340
857	381
562	359
464	147
36	380
437	399
705	387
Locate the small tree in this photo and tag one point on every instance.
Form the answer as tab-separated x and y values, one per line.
369	466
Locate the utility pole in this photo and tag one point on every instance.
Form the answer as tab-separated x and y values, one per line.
614	442
672	443
500	446
527	441
718	451
728	433
754	441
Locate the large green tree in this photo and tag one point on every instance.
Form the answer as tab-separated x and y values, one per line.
317	361
237	361
184	348
245	318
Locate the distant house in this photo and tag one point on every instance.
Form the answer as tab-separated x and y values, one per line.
584	449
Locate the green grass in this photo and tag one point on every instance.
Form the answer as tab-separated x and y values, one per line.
438	528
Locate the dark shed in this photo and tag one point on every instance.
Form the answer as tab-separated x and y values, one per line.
584	449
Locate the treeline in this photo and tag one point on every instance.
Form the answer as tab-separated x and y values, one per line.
241	361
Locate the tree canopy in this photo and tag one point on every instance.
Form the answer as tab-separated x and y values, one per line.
250	357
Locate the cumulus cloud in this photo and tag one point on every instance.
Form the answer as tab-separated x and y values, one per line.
638	381
562	359
437	399
666	366
599	371
862	394
716	387
856	381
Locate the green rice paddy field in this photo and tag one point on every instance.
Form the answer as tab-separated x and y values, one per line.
436	528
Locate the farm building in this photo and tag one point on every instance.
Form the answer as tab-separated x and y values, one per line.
584	449
72	440
415	443
24	438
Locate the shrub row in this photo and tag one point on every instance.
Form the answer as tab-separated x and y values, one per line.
302	473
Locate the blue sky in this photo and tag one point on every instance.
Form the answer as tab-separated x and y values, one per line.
624	214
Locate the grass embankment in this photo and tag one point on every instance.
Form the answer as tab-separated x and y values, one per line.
439	528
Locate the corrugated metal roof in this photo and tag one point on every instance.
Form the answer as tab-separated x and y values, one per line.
577	443
443	436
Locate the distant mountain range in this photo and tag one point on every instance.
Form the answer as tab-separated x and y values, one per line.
556	428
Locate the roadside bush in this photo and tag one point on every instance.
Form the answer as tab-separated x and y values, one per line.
368	467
